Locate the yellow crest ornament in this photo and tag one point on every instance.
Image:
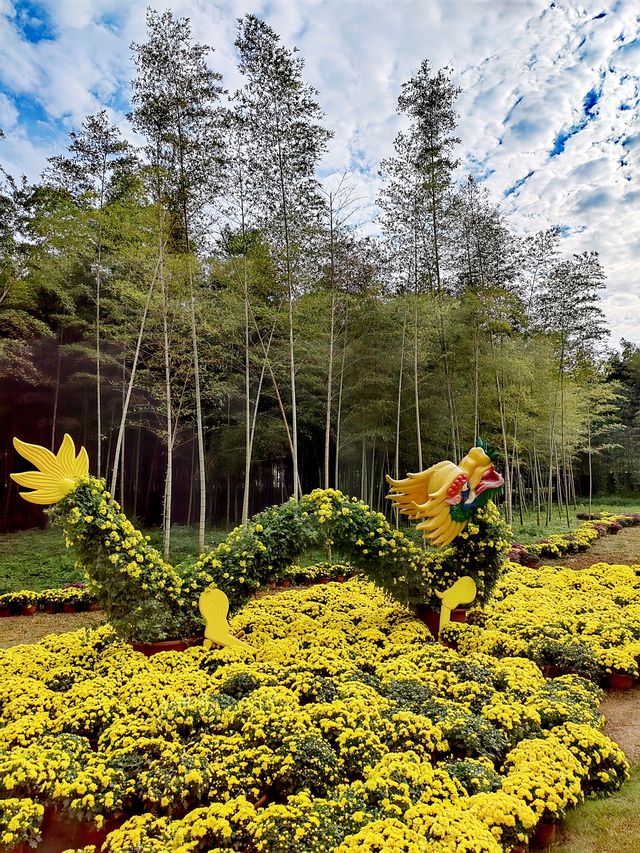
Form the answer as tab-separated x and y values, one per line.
57	474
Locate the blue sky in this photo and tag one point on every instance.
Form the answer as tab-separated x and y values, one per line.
550	110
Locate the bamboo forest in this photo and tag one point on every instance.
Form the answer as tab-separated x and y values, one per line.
221	331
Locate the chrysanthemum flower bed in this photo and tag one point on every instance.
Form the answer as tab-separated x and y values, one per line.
584	621
349	729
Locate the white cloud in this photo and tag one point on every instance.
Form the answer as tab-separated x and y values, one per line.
525	66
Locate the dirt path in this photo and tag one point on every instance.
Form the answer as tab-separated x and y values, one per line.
622	548
15	630
621	709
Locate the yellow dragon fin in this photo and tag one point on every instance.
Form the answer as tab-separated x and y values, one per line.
214	607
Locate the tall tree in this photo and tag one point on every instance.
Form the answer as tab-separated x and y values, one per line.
286	141
95	154
175	97
567	308
415	202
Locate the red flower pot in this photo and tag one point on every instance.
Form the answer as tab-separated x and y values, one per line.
431	619
29	609
93	606
550	670
620	681
545	833
5	611
286	582
340	578
60	832
459	614
68	608
149	649
324	580
49	608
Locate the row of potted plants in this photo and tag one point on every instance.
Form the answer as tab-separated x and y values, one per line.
69	599
571	542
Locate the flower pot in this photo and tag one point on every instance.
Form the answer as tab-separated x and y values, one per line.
261	801
286	582
49	608
549	670
519	848
93	606
5	611
459	614
620	681
67	607
29	609
60	831
340	578
324	579
431	619
149	649
545	833
272	584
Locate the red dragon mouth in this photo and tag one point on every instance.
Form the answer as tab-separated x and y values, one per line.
490	480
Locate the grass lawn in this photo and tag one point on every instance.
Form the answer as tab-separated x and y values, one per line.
37	559
605	826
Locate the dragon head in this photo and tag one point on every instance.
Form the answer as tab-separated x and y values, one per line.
444	497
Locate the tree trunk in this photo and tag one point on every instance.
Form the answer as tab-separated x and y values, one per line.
339	411
132	377
199	424
280	404
503	428
327	424
416	379
56	393
136	478
396	467
166	515
590	462
247	399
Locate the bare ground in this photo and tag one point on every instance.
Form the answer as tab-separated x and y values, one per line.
15	630
621	709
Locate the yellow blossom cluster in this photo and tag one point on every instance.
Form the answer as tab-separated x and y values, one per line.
346	728
594	633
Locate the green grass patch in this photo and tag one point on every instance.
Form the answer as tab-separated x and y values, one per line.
37	559
608	825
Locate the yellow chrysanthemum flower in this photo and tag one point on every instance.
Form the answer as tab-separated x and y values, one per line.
57	474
